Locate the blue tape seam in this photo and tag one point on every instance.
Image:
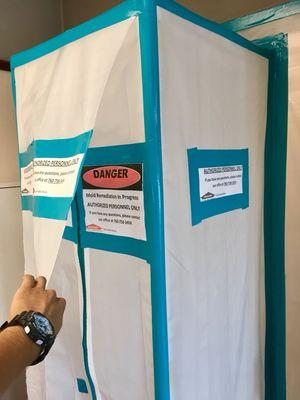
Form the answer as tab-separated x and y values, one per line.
80	253
274	217
265	16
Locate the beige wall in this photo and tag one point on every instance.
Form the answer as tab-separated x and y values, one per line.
25	23
77	11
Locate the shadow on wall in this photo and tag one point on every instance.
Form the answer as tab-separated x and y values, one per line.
24	24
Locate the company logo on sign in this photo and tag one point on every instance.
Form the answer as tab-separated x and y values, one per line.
93	227
112	177
207	195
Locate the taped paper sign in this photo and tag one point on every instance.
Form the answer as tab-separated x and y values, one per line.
51	177
217	182
114	200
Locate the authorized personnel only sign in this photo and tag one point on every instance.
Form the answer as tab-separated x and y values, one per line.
218	182
50	177
114	200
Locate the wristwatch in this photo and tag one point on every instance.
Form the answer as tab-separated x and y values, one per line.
38	328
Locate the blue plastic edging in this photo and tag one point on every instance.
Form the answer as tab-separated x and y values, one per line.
80	253
263	17
71	232
155	215
274	217
55	148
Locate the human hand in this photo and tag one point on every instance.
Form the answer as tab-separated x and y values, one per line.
32	295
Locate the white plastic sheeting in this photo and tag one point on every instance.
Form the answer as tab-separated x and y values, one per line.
118	313
214	270
56	378
57	99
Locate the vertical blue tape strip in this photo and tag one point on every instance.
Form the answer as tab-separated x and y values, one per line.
80	253
274	217
154	204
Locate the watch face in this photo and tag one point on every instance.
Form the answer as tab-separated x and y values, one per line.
43	325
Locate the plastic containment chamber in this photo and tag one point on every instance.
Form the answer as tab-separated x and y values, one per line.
148	144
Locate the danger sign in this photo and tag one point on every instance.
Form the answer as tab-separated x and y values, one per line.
114	200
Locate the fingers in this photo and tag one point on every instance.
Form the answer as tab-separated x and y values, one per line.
41	282
62	303
51	294
28	281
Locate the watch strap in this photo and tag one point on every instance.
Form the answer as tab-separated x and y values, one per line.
34	336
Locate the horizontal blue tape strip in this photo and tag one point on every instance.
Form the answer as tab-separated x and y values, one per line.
55	148
47	207
119	154
265	16
70	234
116	244
198	158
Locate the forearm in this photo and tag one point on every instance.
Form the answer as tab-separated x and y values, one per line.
17	351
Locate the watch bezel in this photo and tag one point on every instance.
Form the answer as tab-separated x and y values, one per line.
40	338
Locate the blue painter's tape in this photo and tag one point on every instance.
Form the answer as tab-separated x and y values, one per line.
81	385
197	159
47	207
71	232
55	148
264	16
116	244
154	203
